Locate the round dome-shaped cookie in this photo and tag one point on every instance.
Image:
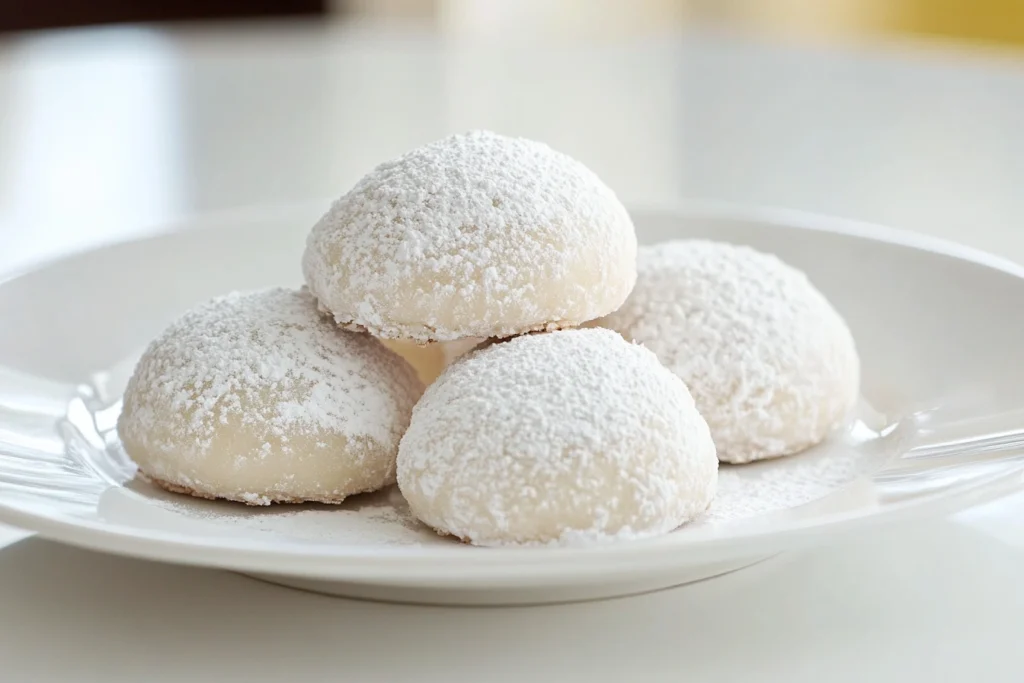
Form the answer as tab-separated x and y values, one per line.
255	397
475	235
771	365
566	437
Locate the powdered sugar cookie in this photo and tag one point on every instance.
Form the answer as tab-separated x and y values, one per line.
476	235
771	365
426	359
430	360
569	436
255	397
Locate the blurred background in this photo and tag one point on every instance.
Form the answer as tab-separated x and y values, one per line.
119	117
995	21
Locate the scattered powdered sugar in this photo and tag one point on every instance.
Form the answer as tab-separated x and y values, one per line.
562	437
475	235
371	519
265	368
771	365
755	490
745	493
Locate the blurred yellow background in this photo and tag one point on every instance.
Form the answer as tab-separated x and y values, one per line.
986	21
994	22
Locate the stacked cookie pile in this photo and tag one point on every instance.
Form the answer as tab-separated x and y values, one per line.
590	391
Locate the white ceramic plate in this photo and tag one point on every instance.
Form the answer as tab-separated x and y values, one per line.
937	325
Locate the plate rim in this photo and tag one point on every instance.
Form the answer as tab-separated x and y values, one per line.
384	564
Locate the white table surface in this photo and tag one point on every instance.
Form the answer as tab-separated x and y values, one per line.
107	134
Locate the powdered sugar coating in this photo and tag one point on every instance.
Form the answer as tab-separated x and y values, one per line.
475	235
772	366
565	437
255	397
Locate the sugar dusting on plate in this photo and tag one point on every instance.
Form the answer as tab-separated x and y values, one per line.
746	493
